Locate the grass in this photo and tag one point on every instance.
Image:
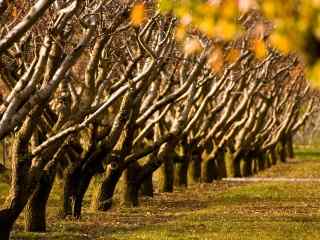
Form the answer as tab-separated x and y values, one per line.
221	210
255	211
4	186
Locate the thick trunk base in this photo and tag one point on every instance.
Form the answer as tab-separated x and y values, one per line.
181	173
7	220
147	187
247	167
208	170
130	186
103	194
166	176
35	211
194	170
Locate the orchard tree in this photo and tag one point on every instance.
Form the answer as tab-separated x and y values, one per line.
95	91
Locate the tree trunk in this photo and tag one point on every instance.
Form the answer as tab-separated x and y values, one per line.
78	179
68	192
102	197
35	212
194	170
131	186
208	170
289	143
255	165
237	166
234	160
261	162
81	190
7	219
282	151
166	176
273	157
247	166
147	187
268	160
181	173
221	163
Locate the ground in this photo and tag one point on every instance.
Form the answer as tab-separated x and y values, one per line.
222	210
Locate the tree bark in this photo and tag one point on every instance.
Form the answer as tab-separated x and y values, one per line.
7	219
147	187
235	163
35	211
247	166
131	186
208	170
261	162
282	151
290	149
166	176
273	157
221	163
81	190
237	166
194	170
102	197
181	172
68	192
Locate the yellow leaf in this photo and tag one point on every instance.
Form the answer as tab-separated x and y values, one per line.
229	9
207	27
186	19
215	60
246	5
137	14
14	12
314	75
180	32
269	8
233	55
280	42
316	3
226	29
259	48
192	46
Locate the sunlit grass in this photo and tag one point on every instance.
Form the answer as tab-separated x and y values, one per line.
221	210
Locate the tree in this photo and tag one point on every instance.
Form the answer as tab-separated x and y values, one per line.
103	90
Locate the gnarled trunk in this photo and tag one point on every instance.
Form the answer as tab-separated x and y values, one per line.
247	166
131	186
81	190
35	211
273	156
68	192
282	151
147	187
221	163
7	219
235	163
103	194
289	143
208	170
166	176
262	163
237	167
194	170
181	172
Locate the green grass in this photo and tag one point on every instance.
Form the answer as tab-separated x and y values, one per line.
221	210
256	211
307	153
